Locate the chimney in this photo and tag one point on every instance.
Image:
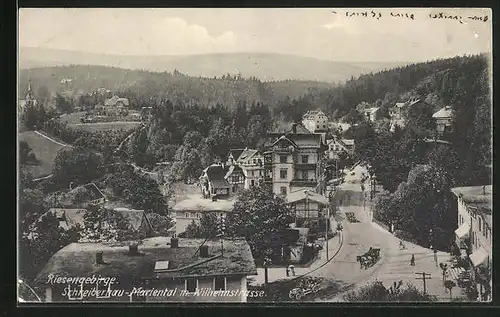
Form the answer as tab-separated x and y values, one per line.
174	242
204	251
133	249
98	258
294	128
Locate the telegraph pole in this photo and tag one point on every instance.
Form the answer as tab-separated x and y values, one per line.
423	278
327	226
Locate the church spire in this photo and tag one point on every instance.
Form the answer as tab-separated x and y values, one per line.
29	94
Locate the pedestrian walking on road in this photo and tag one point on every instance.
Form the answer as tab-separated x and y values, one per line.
435	257
412	261
292	269
401	245
287	272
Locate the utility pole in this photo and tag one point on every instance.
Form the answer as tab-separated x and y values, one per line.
327	227
423	278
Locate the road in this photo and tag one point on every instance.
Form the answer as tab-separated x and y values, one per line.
394	264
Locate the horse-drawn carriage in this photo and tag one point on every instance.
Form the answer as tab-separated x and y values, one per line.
350	217
306	285
369	258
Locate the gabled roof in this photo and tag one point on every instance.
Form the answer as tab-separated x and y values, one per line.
135	217
235	153
78	260
246	155
115	99
215	172
306	194
348	142
284	138
233	169
445	112
300	129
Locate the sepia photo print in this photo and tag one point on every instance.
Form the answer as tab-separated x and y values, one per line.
254	155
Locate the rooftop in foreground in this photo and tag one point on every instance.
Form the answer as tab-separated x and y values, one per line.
78	259
197	203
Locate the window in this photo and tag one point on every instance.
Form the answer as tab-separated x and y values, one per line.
480	227
197	215
252	183
304	174
219	283
191	285
283	158
305	159
283	173
283	190
235	178
187	215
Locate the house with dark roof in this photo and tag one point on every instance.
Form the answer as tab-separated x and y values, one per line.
293	159
213	181
156	269
70	218
474	234
308	207
79	197
251	162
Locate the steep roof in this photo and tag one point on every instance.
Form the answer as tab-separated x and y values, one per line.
196	203
114	100
246	155
232	169
306	194
215	172
445	112
135	217
78	260
235	153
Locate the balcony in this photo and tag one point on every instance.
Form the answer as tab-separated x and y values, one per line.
305	166
283	150
304	182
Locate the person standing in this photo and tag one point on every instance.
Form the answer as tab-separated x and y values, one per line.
412	261
292	269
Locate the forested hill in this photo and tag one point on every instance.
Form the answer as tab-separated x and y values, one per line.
453	81
265	66
139	85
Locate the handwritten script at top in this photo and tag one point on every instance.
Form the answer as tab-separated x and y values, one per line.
412	16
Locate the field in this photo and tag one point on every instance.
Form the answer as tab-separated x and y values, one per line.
45	151
74	122
103	126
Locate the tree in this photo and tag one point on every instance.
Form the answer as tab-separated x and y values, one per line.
44	239
34	116
377	292
77	165
205	229
260	217
26	155
353	117
63	104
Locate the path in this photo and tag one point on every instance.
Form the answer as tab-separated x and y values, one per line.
52	140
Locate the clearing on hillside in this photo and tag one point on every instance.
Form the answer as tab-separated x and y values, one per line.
45	151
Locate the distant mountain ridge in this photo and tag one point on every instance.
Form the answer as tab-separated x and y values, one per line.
264	66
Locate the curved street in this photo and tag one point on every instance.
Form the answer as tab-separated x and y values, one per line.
393	265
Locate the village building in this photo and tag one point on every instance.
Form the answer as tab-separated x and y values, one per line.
371	114
193	207
474	234
308	207
73	218
315	121
28	101
398	112
444	120
293	160
173	269
79	197
213	181
251	162
337	145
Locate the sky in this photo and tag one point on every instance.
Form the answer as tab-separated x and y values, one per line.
322	33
